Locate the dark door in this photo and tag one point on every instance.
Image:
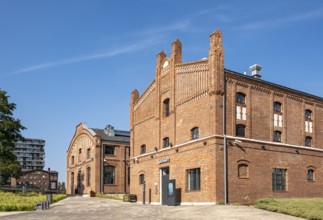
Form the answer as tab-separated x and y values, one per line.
165	179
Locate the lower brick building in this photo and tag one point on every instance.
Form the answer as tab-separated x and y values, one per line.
38	180
203	134
97	160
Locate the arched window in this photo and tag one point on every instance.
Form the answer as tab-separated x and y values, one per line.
277	136
243	171
310	174
195	133
141	179
308	141
240	130
109	175
166	107
72	160
88	175
277	107
166	142
143	149
240	98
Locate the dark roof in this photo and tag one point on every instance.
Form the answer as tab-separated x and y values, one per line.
120	136
34	171
273	84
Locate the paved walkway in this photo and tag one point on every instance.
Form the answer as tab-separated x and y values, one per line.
97	208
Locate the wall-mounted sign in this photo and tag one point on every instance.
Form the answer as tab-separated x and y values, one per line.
163	160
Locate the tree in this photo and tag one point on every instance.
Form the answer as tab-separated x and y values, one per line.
10	129
61	186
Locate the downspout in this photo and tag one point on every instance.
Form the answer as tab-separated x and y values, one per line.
125	168
102	162
225	160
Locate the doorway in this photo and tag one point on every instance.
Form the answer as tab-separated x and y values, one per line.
72	184
164	172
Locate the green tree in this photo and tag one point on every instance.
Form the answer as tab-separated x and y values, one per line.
61	186
10	129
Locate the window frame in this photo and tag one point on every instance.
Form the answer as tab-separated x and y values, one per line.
88	177
240	98
141	179
238	128
195	183
310	174
107	151
143	149
247	171
308	115
276	135
113	176
88	153
308	144
195	133
279	179
166	142
277	107
166	107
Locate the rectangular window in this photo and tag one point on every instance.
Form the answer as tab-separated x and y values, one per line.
193	179
109	149
241	113
279	179
88	153
308	126
278	120
109	175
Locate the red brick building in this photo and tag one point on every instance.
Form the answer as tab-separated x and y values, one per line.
98	160
38	180
192	113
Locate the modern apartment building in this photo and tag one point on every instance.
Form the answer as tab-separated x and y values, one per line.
204	134
30	154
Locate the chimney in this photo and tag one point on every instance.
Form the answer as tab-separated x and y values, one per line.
109	130
255	71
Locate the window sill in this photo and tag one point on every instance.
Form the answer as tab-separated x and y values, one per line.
243	177
110	184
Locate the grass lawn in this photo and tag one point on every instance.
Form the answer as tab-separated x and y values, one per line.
23	201
304	208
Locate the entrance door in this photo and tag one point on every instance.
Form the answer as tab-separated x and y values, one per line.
164	184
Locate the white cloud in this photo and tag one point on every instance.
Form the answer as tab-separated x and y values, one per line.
81	58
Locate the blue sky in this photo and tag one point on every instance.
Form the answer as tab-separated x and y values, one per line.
66	62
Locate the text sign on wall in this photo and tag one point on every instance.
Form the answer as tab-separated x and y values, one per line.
163	160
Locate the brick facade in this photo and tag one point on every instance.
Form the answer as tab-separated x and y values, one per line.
184	96
87	160
40	180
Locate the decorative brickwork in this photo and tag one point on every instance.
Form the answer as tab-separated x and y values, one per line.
195	91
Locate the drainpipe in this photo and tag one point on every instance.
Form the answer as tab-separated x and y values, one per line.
102	167
125	168
225	160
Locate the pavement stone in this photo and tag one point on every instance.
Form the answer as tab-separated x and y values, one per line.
98	208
